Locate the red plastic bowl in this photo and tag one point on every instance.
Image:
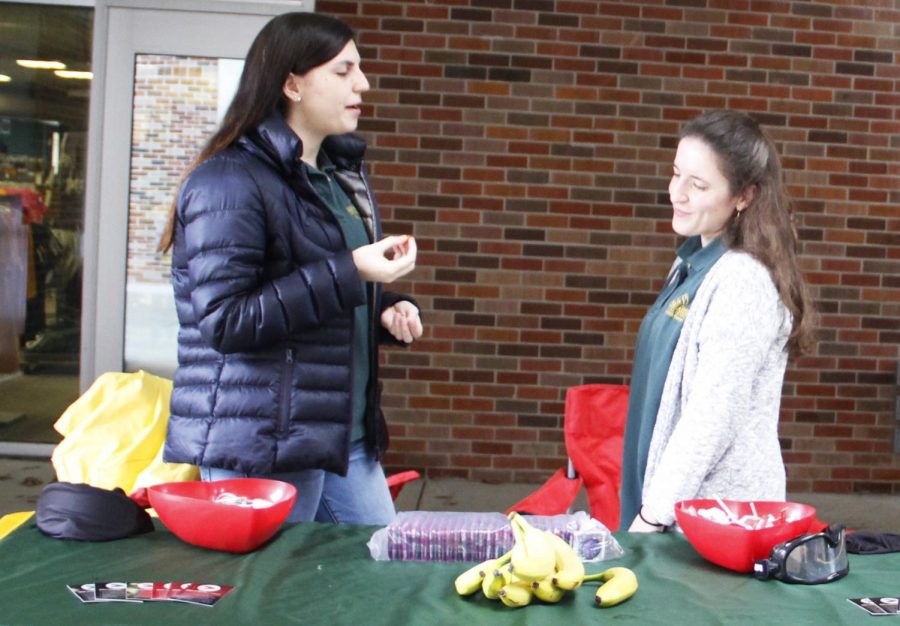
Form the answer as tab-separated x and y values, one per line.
190	511
733	546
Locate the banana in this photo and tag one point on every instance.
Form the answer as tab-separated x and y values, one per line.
532	556
619	584
493	582
569	568
509	576
470	580
546	591
516	594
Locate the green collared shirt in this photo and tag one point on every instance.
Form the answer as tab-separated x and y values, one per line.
656	341
355	236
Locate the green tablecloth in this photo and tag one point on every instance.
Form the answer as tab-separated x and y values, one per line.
323	574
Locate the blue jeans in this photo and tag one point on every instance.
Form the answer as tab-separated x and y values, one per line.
360	497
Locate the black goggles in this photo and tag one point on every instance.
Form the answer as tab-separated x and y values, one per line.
808	559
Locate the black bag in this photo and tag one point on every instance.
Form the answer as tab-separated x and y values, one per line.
872	543
87	513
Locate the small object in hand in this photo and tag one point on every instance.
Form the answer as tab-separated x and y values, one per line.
398	250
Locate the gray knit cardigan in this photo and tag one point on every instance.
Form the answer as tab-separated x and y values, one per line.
716	432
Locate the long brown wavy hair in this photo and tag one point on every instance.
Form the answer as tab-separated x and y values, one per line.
291	43
765	228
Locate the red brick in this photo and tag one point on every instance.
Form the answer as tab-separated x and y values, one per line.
887	474
852	473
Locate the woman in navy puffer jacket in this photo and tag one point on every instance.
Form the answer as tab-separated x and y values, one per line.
277	265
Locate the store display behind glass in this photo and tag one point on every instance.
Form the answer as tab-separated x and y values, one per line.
43	136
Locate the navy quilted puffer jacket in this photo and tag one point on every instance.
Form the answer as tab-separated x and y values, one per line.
265	291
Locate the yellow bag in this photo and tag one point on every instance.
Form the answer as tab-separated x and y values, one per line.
114	434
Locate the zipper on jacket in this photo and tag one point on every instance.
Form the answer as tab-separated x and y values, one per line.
284	410
373	395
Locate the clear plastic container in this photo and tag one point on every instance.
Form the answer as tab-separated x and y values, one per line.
455	536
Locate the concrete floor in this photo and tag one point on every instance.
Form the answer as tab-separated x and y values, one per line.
29	405
21	481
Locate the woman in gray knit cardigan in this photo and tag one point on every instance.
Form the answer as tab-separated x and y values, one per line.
711	352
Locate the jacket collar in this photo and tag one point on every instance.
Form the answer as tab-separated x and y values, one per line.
276	139
281	145
346	151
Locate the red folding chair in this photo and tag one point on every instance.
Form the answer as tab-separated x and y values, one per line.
594	429
397	481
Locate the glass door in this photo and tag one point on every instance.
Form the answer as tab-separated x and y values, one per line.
167	76
45	77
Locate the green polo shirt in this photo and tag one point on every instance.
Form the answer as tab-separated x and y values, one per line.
656	341
355	236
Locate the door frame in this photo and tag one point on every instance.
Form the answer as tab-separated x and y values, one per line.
122	29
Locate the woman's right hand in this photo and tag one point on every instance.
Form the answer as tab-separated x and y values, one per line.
387	260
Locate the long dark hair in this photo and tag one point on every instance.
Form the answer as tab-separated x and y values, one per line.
765	227
291	43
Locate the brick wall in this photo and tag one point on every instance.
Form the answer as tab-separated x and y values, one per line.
528	143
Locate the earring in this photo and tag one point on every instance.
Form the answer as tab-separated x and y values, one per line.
737	219
298	98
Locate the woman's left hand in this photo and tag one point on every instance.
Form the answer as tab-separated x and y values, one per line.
639	525
402	321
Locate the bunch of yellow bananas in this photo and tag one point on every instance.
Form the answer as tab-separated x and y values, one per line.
542	565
